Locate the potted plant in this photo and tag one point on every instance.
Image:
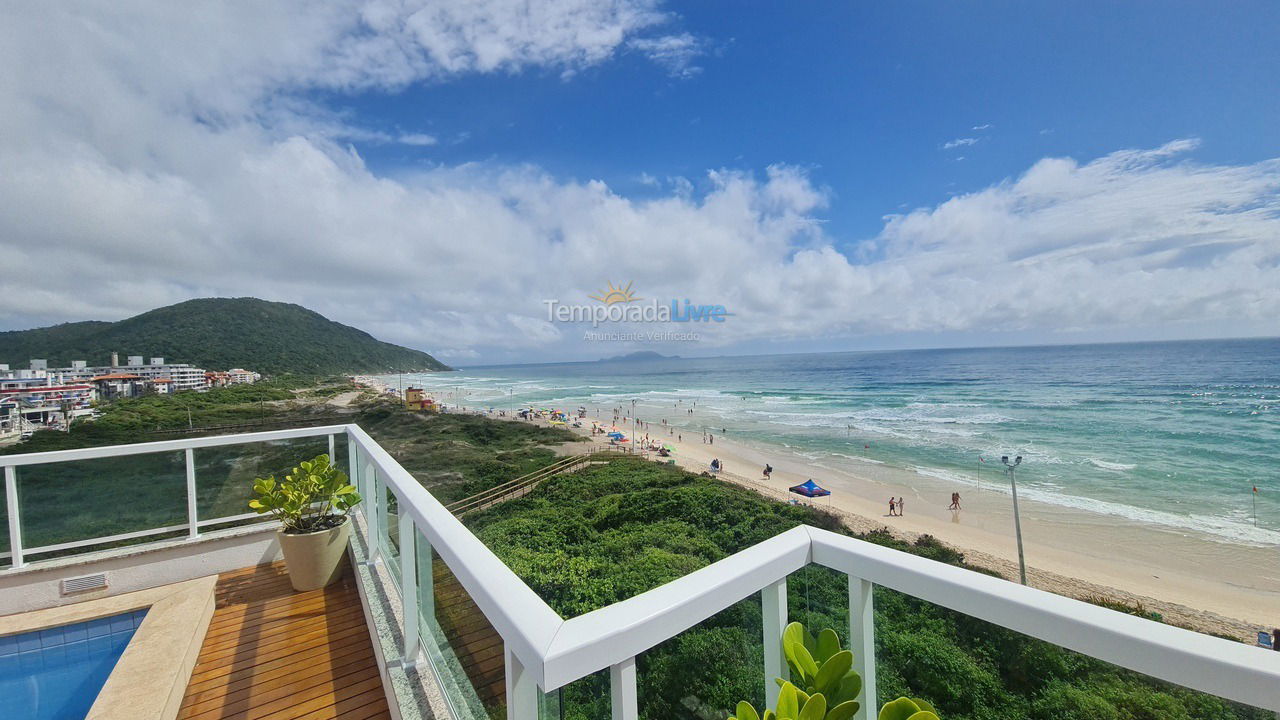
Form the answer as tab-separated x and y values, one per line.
312	504
826	684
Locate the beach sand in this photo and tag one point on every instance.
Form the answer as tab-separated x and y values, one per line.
1193	581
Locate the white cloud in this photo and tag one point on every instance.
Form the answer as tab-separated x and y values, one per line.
959	142
152	174
417	139
984	126
676	53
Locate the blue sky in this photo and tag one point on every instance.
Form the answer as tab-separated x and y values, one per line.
838	175
866	95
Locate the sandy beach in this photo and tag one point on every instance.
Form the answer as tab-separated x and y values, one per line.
1211	586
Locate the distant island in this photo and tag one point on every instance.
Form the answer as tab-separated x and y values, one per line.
639	355
270	337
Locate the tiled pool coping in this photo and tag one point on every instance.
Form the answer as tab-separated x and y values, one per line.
151	676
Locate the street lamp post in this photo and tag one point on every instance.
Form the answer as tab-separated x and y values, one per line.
633	425
1017	520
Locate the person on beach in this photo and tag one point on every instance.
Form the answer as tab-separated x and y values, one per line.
955	501
768	470
715	465
893	505
901	505
711	439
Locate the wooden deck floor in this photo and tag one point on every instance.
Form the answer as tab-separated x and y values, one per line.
273	654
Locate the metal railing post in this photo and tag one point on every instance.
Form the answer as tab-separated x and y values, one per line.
193	522
331	458
862	641
15	526
773	604
522	690
622	690
409	590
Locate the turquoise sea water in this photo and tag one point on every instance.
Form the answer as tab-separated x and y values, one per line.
1173	434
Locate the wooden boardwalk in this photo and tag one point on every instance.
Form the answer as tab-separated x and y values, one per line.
273	654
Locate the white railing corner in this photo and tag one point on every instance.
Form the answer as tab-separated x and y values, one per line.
773	605
862	642
522	689
622	690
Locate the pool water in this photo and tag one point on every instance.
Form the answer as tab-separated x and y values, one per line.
56	673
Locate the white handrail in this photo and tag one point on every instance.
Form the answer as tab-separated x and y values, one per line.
557	651
524	620
608	636
166	446
1202	662
605	637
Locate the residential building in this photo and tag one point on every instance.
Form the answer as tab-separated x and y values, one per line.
241	376
42	400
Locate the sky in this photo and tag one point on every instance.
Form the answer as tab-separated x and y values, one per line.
837	176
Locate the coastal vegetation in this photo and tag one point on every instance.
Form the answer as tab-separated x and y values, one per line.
218	334
606	533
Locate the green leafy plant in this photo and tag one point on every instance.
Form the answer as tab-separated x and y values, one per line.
826	686
315	495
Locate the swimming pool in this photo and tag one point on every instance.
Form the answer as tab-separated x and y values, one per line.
56	673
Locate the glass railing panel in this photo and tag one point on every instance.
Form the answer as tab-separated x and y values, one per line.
969	668
586	698
819	597
341	452
467	650
389	528
79	500
225	473
704	671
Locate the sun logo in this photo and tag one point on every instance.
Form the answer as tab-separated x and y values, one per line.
616	295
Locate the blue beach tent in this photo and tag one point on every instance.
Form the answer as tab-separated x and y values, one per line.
810	489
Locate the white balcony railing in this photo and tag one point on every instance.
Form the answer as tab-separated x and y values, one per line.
544	652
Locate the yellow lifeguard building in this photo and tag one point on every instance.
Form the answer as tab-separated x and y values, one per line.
415	400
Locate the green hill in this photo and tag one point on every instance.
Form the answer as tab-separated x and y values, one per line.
218	334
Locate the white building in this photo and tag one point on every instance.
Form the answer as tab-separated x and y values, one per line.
242	376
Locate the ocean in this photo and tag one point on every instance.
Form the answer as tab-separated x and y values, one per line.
1174	434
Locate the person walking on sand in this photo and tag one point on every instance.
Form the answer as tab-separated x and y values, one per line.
901	505
768	470
893	504
955	501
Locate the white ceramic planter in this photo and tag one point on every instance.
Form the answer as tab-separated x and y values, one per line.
314	559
